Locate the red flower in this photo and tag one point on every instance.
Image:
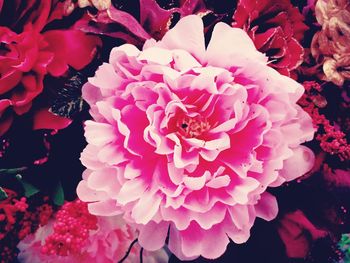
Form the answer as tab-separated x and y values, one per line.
276	29
23	63
297	233
26	57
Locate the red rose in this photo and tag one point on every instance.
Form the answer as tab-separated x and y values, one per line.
276	29
23	62
26	57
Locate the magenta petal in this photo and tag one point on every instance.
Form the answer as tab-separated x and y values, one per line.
44	119
197	241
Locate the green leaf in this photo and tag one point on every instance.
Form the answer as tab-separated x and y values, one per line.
29	189
3	194
69	100
58	196
12	170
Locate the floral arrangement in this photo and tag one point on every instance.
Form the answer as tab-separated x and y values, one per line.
169	131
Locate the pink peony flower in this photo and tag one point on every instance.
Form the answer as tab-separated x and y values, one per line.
186	138
108	244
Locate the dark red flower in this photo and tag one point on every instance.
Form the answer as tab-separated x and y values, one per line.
28	55
297	233
23	62
276	29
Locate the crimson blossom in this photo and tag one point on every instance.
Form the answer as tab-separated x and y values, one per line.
28	54
186	139
276	28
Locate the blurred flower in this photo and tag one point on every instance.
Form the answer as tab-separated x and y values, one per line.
344	245
77	236
276	29
298	233
186	139
330	46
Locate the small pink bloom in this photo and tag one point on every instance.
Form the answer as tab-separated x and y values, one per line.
186	138
108	244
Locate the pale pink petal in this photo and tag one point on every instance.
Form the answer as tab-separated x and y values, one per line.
106	79
226	45
267	207
184	61
190	28
241	191
104	208
130	191
146	207
88	194
195	183
156	55
299	164
99	134
153	240
194	243
219	182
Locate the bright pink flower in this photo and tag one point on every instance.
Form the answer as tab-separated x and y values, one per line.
187	138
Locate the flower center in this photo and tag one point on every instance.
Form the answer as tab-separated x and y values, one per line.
193	127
